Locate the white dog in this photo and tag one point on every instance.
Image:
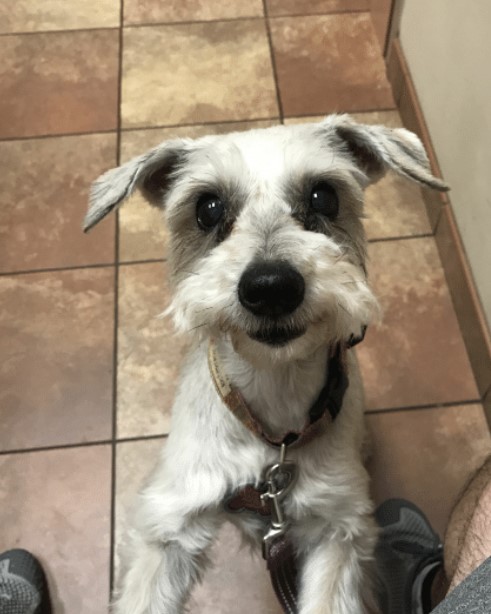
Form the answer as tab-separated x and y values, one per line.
268	265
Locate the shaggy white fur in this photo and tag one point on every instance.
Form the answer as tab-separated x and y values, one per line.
263	181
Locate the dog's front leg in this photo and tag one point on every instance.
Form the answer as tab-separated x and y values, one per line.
160	576
166	552
336	576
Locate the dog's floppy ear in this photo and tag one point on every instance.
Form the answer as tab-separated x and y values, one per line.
377	149
151	172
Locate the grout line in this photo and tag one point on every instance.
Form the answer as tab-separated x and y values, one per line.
142	438
426	235
82	267
341	11
337	111
63	446
438	218
273	62
83	444
102	442
115	442
245	18
58	269
159	24
191	125
148	261
429	406
112	529
180	23
69	31
157	260
116	318
385	46
38	137
257	119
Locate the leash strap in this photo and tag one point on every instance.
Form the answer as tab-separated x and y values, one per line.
277	551
283	572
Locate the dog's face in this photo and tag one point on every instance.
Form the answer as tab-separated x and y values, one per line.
266	235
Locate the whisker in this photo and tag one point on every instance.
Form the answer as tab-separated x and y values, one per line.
205	309
205	323
195	327
209	308
343	308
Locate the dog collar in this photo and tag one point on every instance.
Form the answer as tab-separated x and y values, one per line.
322	413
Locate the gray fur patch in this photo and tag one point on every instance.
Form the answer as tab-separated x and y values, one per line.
347	228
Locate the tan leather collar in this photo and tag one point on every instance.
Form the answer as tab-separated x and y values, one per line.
322	413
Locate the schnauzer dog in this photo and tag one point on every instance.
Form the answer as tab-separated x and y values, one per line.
267	254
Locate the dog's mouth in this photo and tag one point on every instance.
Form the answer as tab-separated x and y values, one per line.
277	335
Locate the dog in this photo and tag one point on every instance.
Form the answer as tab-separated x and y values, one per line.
268	267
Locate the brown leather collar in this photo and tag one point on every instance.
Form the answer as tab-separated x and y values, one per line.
322	413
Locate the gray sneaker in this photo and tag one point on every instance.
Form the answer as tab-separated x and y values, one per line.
409	554
23	586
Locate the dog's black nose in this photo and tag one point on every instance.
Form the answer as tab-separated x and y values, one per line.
271	288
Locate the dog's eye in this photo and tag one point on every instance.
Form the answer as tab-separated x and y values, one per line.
324	200
209	211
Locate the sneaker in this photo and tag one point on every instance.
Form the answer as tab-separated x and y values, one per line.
408	554
23	586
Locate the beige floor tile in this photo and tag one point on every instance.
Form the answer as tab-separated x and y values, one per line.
395	208
416	356
197	73
57	83
142	232
57	504
56	344
149	353
149	11
233	568
427	456
329	63
41	216
34	16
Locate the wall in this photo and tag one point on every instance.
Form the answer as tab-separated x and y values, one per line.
447	45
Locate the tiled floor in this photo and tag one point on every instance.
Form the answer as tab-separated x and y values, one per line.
88	371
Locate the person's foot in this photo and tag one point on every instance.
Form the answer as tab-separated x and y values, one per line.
23	586
409	554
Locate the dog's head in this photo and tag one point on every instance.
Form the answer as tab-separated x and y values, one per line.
266	235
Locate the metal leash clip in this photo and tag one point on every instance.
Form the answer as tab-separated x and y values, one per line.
280	479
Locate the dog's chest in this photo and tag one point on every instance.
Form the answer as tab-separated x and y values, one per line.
280	398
